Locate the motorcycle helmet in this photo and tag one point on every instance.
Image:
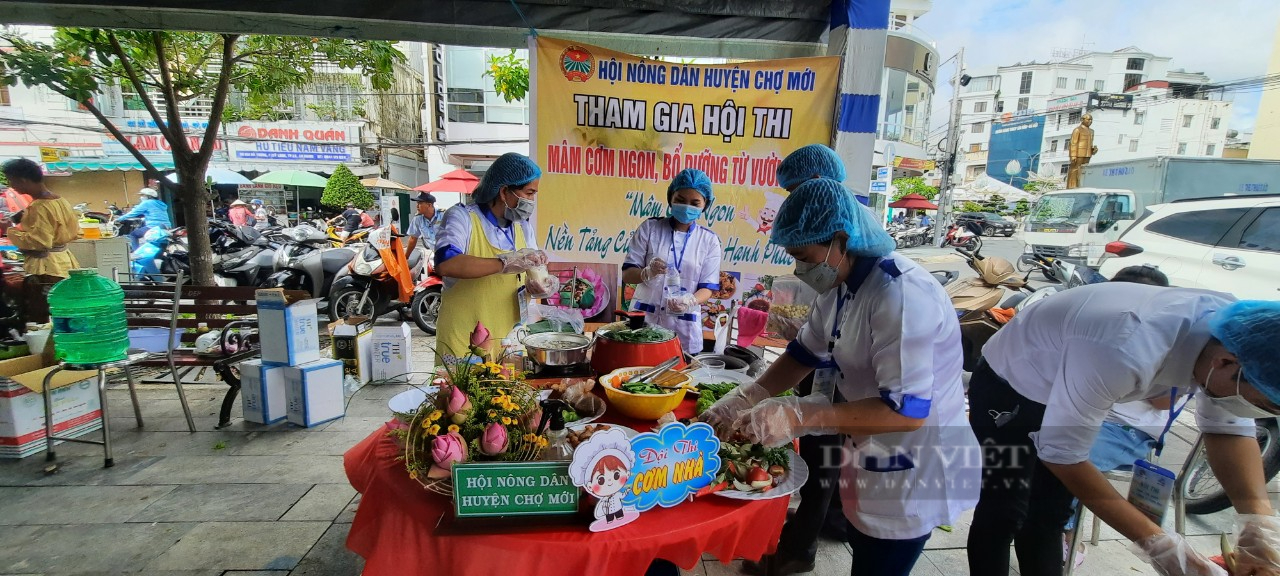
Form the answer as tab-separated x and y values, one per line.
148	193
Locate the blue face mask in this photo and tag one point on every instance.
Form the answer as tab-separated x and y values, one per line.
685	213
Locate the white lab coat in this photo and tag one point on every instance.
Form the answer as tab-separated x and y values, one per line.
609	505
900	341
699	267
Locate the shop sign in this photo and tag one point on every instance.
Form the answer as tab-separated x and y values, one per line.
150	144
49	154
487	489
1068	102
915	164
293	141
1112	101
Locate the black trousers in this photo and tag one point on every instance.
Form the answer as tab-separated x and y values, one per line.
822	454
1022	502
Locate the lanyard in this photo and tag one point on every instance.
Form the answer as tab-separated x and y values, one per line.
1173	415
678	261
861	270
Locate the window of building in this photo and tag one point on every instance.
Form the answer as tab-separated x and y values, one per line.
979	106
1053	145
1098	85
1073	118
980	84
1210	149
1182	148
1214	123
1062	170
1135	64
977	128
1138	117
999	105
1120	139
470	95
1264	234
1024	86
1133	145
975	147
1131	80
1079	83
1200	226
1023	104
1186	120
1059	118
1062	82
4	95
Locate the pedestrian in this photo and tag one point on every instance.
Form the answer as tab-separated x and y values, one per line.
424	225
349	219
1047	381
261	214
42	231
676	246
240	214
899	375
153	211
925	220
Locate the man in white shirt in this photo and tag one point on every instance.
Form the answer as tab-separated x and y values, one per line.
424	225
1050	377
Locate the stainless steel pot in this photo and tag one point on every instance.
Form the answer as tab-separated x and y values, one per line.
558	348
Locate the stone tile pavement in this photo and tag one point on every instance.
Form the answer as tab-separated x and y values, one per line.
257	500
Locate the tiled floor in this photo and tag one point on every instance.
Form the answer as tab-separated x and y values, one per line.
256	499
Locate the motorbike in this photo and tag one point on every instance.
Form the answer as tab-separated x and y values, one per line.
146	262
242	255
379	279
978	301
359	236
306	262
425	306
1045	265
961	237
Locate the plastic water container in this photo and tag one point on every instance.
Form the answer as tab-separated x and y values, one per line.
88	319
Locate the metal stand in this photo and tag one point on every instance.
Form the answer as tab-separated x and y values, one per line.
101	368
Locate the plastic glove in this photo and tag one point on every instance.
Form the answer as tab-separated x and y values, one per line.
1171	555
726	410
777	421
682	304
656	268
1257	545
538	256
549	286
520	260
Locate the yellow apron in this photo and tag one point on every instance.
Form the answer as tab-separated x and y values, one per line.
490	300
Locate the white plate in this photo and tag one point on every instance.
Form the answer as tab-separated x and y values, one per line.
791	483
407	402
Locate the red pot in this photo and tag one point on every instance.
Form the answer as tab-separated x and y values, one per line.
610	355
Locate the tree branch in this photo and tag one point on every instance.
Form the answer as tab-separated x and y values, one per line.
220	95
147	166
132	73
178	140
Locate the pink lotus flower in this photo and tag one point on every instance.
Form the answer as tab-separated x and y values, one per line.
459	406
446	450
494	440
480	336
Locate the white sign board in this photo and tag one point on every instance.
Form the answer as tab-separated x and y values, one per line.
880	186
326	142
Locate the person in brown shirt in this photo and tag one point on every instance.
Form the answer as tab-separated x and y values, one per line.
43	231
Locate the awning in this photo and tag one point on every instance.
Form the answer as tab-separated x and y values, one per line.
121	164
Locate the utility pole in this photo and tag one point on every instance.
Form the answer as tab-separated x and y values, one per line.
952	148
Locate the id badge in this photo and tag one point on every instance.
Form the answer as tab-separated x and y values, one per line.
825	378
522	300
1151	490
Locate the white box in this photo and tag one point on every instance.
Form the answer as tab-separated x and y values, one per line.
289	331
352	340
313	392
76	408
262	394
392	347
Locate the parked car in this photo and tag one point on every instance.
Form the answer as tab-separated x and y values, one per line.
1229	245
991	223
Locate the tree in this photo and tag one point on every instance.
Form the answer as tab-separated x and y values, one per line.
510	76
995	203
971	206
343	187
1022	208
168	70
914	185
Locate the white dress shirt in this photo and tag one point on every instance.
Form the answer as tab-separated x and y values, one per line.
1084	350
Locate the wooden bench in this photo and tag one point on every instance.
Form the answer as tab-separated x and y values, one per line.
181	310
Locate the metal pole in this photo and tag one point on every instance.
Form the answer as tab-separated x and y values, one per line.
953	145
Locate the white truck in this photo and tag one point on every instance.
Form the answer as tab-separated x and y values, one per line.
1077	224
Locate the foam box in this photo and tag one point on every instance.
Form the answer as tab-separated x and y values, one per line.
262	394
353	345
313	392
76	409
289	331
392	347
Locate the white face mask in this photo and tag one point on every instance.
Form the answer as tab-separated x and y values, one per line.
1235	404
821	276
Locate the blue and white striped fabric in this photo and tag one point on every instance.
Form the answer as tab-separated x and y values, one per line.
859	29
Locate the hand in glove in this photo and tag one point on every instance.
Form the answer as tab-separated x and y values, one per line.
726	410
520	260
538	257
1258	545
777	421
1173	556
656	267
549	286
682	304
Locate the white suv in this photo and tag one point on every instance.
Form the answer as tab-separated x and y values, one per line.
1229	245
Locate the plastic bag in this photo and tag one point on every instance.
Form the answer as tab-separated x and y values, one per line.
792	302
547	318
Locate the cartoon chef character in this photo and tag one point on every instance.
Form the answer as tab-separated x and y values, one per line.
602	465
766	214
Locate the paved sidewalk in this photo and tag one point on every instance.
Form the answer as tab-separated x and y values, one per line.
258	500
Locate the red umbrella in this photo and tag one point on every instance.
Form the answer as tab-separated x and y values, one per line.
456	181
914	202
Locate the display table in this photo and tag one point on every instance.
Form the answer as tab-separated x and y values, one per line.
395	530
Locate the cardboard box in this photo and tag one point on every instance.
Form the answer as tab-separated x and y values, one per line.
392	347
262	395
289	330
353	345
313	392
76	407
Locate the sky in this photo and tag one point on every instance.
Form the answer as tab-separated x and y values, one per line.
1226	39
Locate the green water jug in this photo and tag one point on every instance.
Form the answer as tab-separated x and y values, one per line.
89	324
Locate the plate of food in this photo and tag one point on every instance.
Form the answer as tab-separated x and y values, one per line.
750	471
580	432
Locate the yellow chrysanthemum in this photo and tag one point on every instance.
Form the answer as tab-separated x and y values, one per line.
453	428
496	400
493	413
506	421
413	474
434	415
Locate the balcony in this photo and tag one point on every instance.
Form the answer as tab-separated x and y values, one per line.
1054	156
979	156
902	133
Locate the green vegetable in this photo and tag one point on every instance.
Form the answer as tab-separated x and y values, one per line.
569	415
642	388
648	334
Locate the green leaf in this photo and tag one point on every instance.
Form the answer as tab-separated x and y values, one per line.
345	187
914	185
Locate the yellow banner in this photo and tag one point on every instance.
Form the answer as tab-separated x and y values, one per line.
612	130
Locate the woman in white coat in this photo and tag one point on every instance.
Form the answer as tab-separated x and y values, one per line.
677	245
883	331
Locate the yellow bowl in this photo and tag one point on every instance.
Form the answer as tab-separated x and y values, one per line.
644	406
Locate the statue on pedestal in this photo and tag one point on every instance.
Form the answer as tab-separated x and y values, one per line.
1081	150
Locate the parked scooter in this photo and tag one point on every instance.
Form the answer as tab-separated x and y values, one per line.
242	256
380	278
360	236
146	262
975	299
425	307
962	237
306	262
1032	260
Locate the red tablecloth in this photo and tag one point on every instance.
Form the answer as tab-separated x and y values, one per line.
394	530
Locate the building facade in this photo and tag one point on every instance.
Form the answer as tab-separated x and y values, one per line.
1266	132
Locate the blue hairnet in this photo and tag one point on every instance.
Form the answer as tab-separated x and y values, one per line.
1249	329
819	208
510	169
692	178
807	162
